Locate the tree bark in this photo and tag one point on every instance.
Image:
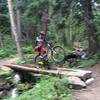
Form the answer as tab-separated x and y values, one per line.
44	20
14	30
18	23
90	26
1	41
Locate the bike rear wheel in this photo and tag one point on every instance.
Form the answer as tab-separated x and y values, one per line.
58	54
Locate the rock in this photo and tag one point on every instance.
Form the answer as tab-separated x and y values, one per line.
83	74
21	86
80	73
24	86
4	83
76	83
5	71
1	94
89	81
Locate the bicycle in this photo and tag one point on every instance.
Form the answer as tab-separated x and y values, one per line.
56	53
76	56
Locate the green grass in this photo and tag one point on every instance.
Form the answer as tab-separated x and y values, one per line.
5	73
48	89
87	63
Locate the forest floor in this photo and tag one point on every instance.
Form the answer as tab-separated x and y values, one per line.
92	92
7	61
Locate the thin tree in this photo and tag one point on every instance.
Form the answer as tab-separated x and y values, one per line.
1	41
14	30
18	19
44	19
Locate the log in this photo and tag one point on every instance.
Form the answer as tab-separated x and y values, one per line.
73	69
30	69
77	73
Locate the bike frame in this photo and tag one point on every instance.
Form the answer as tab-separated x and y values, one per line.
49	48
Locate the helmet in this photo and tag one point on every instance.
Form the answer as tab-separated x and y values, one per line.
42	33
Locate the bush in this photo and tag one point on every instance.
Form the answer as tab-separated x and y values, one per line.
48	89
87	63
27	49
9	48
3	53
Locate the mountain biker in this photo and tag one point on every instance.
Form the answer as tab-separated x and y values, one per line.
80	51
40	41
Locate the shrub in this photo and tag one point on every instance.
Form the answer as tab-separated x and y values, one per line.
48	89
88	62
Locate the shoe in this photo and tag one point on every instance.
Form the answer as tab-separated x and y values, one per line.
40	57
40	63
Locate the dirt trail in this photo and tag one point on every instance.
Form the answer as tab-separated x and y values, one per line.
7	61
92	92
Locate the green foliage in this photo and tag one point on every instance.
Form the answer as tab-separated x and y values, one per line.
9	48
97	22
29	58
87	63
27	49
48	89
64	13
3	54
65	24
5	73
4	22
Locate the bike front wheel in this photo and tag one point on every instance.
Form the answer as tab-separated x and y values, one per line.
58	54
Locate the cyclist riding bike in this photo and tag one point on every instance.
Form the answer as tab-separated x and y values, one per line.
40	45
50	53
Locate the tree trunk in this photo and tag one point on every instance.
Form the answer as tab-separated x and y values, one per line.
63	37
14	30
18	23
45	20
90	26
1	41
18	19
